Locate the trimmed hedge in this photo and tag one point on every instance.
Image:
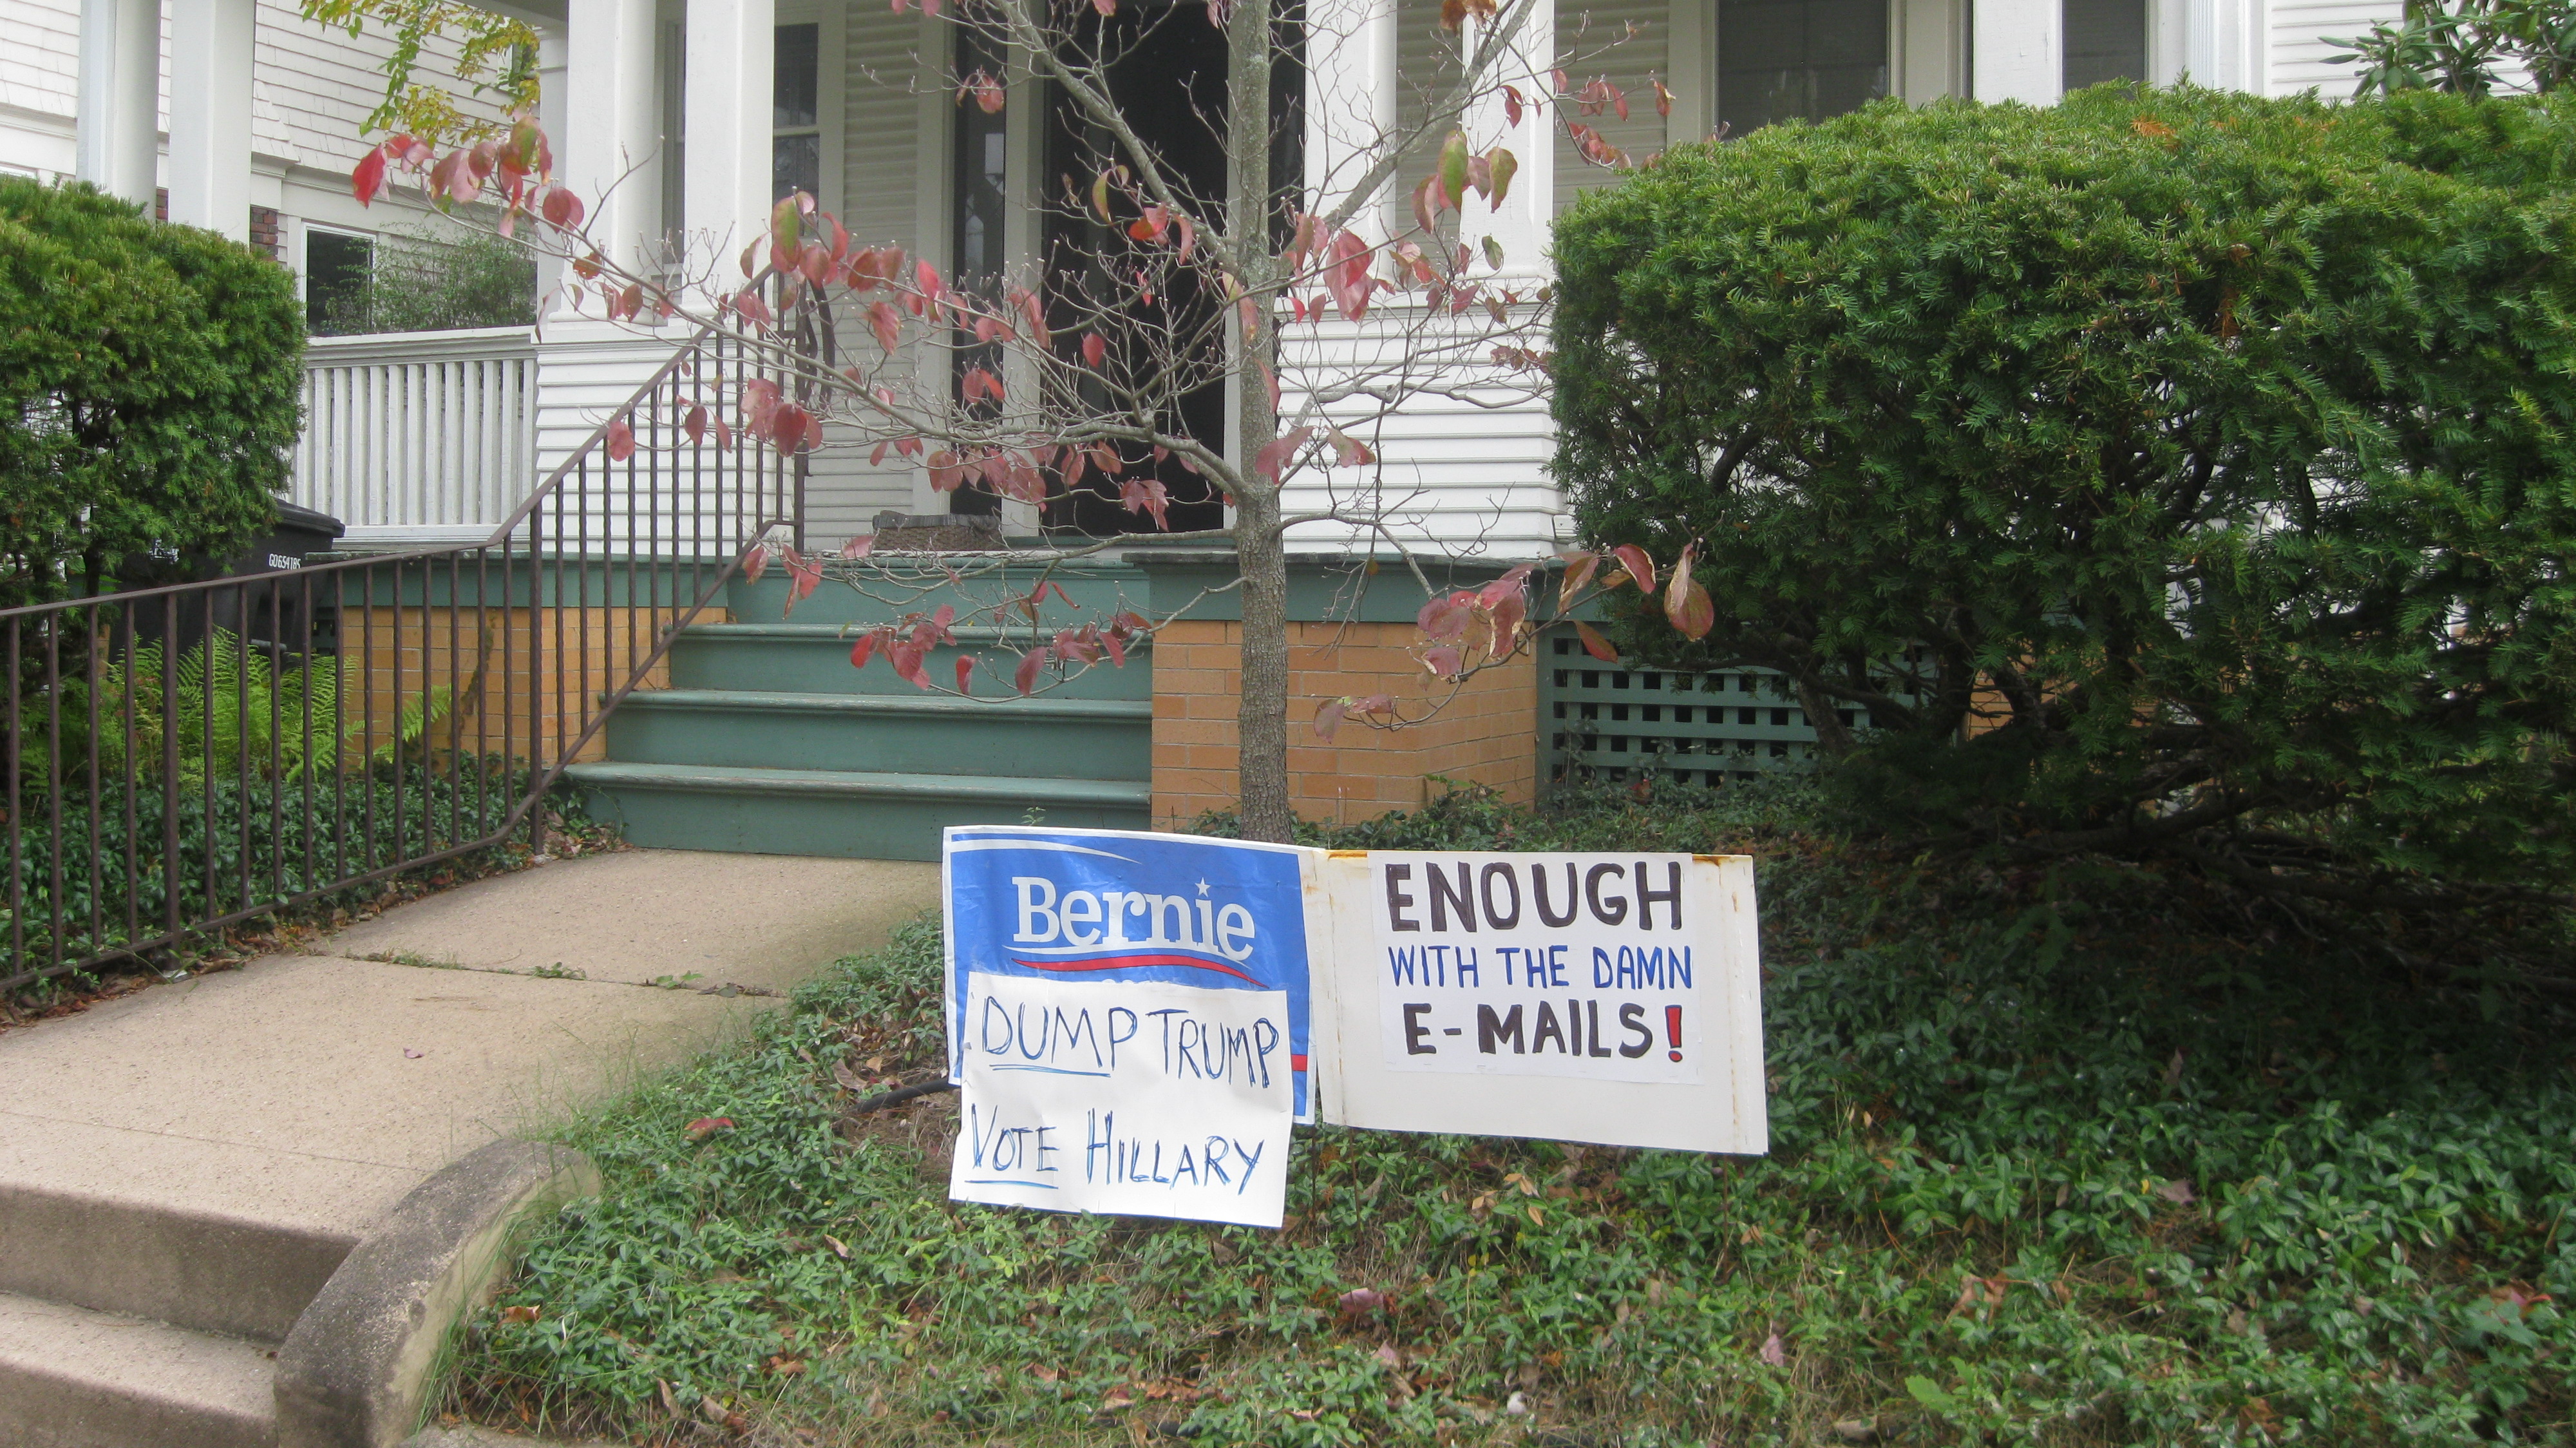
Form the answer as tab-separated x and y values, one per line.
150	381
2164	470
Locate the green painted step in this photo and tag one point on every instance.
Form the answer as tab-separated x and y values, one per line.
814	658
1097	590
850	814
1044	738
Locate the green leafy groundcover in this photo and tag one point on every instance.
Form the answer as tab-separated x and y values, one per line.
2077	1157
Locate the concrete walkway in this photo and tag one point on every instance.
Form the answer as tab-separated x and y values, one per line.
205	1153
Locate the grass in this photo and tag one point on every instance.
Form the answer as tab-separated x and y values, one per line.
2087	1157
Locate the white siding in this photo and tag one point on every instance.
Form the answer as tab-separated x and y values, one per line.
1465	475
40	55
2299	46
1593	39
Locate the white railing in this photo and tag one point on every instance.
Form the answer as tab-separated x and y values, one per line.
418	437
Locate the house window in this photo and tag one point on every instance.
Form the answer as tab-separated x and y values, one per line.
1798	60
337	267
2105	40
795	123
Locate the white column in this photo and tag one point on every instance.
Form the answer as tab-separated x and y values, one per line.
1529	205
118	145
610	151
1350	103
732	61
2222	44
2019	50
554	108
210	87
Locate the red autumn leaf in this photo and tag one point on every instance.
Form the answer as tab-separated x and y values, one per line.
621	440
1579	568
965	674
1025	677
724	435
859	547
1444	662
706	1126
755	563
1445	617
1115	641
1350	452
521	1313
1506	619
865	649
1361	1300
1276	453
562	209
887	323
1328	718
1595	645
1686	602
369	177
1512	106
1640	567
695	423
1095	349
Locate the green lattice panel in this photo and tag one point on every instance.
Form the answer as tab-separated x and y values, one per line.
1610	723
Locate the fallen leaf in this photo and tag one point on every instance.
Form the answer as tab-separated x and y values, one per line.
1044	1374
786	1367
2177	1191
411	1055
1773	1353
706	1126
839	1248
1857	1430
1361	1300
520	1313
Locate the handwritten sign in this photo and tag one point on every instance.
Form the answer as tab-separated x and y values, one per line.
1573	997
1127	1020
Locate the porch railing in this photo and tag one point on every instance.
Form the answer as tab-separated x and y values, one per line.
176	759
418	437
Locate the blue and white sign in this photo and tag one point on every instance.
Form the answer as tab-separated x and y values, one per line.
1127	1020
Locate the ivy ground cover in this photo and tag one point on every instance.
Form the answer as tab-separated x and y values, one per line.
2083	1156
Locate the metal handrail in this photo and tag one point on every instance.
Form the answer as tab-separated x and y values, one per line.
288	735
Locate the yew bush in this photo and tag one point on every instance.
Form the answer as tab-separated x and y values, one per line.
2170	471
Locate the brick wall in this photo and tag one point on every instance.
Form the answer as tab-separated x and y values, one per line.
1487	735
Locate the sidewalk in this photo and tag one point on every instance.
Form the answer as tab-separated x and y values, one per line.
206	1153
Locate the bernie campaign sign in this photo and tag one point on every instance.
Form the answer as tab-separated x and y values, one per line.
1568	997
1127	1020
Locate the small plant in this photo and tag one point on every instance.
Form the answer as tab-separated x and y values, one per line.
2471	47
438	283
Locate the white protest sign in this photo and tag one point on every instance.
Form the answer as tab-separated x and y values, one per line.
1609	998
1128	1019
1139	1097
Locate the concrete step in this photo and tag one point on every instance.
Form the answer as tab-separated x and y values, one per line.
851	814
814	658
71	1377
1044	738
177	1236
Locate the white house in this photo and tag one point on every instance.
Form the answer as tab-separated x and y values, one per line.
248	116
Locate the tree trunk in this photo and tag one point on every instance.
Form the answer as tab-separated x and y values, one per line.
1261	765
1262	713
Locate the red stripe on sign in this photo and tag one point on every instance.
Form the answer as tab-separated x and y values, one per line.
1123	962
1297	1063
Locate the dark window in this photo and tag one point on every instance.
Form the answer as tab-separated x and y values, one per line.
1798	60
336	270
2106	40
796	142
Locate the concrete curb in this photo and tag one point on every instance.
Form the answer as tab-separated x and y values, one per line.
356	1368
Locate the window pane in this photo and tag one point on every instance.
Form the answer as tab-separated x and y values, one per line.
336	269
1782	60
2105	40
795	164
792	87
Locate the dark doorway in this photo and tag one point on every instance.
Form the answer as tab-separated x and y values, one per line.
1166	72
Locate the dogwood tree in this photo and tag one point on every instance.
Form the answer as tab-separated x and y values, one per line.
1080	384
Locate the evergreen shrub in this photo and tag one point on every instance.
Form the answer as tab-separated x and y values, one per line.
150	381
2168	470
